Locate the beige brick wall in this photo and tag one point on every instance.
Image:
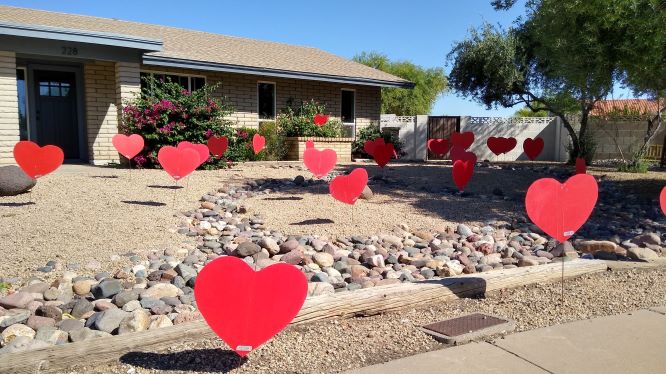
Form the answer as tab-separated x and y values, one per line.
9	120
341	146
101	111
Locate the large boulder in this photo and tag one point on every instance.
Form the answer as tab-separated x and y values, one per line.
14	181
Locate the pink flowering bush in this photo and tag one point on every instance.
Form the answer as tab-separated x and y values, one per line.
166	114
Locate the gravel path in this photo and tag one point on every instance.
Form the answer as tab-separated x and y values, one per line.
339	345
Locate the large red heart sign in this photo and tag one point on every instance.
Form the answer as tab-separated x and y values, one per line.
499	145
561	209
128	146
458	153
662	200
319	162
178	162
347	188
462	140
201	149
462	173
320	119
438	146
382	153
246	308
258	143
37	161
370	145
217	145
533	147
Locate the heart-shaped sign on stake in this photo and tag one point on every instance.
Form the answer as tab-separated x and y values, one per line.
37	161
258	143
438	146
382	153
178	162
581	166
370	145
458	153
319	162
462	173
499	145
662	200
561	209
309	144
217	145
533	147
201	149
320	119
128	146
246	308
347	188
462	140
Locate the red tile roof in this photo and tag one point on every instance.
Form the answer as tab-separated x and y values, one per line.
626	107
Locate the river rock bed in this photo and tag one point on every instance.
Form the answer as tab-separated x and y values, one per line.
157	291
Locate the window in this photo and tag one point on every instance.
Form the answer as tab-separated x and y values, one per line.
21	87
348	106
188	82
266	100
54	89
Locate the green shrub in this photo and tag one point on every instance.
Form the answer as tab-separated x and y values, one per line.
275	149
635	165
299	121
372	132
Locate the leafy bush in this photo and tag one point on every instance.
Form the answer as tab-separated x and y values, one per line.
240	146
372	132
168	114
635	165
276	148
300	121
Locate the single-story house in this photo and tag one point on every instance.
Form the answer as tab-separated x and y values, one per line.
64	78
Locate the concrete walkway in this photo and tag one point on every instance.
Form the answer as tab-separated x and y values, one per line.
626	343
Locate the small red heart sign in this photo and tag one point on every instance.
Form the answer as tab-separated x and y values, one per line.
217	145
347	188
533	147
201	149
319	162
178	162
258	143
581	166
37	161
370	145
246	308
662	200
458	153
462	140
561	209
128	146
462	173
320	119
382	153
309	144
438	146
499	145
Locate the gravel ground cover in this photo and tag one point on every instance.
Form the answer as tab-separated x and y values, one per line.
338	345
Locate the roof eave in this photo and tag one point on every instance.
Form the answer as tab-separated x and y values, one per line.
215	66
80	36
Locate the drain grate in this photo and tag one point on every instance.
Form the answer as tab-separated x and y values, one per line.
465	328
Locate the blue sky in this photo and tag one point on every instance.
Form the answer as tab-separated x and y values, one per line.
419	31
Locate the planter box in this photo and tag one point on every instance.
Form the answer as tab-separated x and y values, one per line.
342	146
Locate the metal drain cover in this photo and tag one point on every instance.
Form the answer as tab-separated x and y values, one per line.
470	327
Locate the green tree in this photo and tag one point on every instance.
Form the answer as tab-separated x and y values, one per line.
428	84
561	57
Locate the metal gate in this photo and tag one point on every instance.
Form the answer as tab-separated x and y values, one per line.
441	127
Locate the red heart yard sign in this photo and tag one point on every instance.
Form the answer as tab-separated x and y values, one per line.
37	161
458	153
347	188
462	140
581	167
662	200
499	145
246	308
533	147
561	209
309	144
320	119
201	149
382	153
128	146
462	173
319	162
438	146
258	143
217	145
178	162
370	145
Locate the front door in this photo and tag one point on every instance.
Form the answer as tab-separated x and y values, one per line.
56	112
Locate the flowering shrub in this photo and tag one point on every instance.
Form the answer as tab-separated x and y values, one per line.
372	132
166	114
300	121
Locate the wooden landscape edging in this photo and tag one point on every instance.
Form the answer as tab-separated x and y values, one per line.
364	302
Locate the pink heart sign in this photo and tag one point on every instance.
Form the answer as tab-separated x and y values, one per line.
201	149
246	308
37	161
258	143
319	162
178	162
347	188
128	146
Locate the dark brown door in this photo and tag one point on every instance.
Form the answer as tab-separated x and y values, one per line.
441	127
56	112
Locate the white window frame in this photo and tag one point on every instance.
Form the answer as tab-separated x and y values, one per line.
352	124
189	81
274	102
27	102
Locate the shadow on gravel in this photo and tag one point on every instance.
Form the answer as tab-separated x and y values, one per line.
143	203
17	205
464	287
105	176
165	187
288	198
205	360
314	221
